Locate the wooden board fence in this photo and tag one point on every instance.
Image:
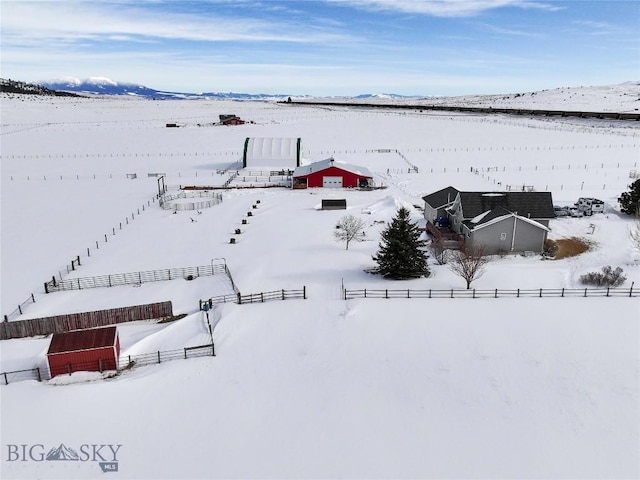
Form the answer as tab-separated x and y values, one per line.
77	321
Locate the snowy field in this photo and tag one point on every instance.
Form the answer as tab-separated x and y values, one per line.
319	388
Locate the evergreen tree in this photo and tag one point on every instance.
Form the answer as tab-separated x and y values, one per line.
630	201
400	255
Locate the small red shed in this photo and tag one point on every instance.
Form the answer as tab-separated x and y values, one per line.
331	174
90	350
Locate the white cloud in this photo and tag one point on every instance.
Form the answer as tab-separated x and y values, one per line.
445	8
45	22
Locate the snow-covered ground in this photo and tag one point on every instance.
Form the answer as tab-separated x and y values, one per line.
623	98
322	388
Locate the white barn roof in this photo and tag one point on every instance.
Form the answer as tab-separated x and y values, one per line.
272	152
330	162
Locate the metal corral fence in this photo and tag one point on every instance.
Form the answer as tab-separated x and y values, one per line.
124	363
134	278
496	293
255	297
169	201
78	321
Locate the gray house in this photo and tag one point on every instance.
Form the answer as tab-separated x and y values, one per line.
503	222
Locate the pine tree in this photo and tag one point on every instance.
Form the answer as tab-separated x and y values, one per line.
630	201
400	255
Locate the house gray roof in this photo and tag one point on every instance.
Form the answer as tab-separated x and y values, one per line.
303	170
441	197
497	215
526	204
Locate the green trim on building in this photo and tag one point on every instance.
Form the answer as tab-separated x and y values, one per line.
244	153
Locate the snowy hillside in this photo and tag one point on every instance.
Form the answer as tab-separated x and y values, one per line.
322	387
622	98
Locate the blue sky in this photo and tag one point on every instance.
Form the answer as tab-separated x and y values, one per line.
325	47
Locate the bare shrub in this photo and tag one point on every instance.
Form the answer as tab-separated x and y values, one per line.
605	278
440	252
349	229
469	262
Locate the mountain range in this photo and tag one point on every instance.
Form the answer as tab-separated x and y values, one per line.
106	86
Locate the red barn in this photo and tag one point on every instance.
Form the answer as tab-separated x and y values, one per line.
331	174
91	350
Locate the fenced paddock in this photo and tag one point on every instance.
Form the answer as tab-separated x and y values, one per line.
78	321
135	278
495	293
182	200
124	363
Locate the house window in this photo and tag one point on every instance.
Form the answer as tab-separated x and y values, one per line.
503	236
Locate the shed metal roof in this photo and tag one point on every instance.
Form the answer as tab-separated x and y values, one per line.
82	340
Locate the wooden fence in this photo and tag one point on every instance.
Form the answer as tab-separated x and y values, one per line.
255	297
124	362
134	278
76	321
495	293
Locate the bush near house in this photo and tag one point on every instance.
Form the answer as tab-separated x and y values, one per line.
606	278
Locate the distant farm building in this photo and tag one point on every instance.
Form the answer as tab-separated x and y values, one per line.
272	152
331	174
90	350
231	120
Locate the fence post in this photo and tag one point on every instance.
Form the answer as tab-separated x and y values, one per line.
631	289
429	293
495	294
608	291
585	292
540	293
283	293
365	293
6	382
408	293
452	293
239	298
518	294
213	350
261	297
474	293
185	353
46	288
20	309
304	292
158	356
38	372
562	294
386	293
